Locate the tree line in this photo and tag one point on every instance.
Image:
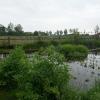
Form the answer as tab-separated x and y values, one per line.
12	29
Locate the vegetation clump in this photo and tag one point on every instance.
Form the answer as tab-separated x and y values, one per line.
50	77
45	78
74	52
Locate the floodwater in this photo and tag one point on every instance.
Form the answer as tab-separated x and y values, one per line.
85	74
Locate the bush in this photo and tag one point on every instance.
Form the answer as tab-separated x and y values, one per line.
46	78
14	75
74	52
50	76
12	66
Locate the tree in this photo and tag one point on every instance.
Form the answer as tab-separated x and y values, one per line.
74	31
58	32
47	32
84	32
36	33
2	28
96	30
75	35
65	32
61	32
10	27
50	33
18	28
55	33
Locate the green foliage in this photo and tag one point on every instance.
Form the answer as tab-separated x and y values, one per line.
90	43
46	78
18	28
36	45
12	66
14	75
50	76
74	52
55	43
94	93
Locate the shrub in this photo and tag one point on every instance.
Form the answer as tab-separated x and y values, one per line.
50	76
46	78
14	75
74	52
12	66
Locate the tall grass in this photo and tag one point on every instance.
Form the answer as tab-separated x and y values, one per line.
74	52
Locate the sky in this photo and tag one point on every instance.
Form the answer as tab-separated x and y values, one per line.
51	14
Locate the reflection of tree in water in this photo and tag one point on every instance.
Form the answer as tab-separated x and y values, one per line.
86	73
91	62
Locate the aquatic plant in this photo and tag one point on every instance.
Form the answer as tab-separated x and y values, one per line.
74	52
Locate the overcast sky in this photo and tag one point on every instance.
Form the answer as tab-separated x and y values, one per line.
51	14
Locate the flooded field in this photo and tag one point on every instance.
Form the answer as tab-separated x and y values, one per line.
85	74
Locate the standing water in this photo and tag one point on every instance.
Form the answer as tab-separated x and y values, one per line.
86	73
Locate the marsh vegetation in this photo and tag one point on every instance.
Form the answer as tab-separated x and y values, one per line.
45	77
61	67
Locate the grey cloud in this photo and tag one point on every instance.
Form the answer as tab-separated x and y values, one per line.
51	14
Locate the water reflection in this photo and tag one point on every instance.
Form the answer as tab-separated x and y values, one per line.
85	73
